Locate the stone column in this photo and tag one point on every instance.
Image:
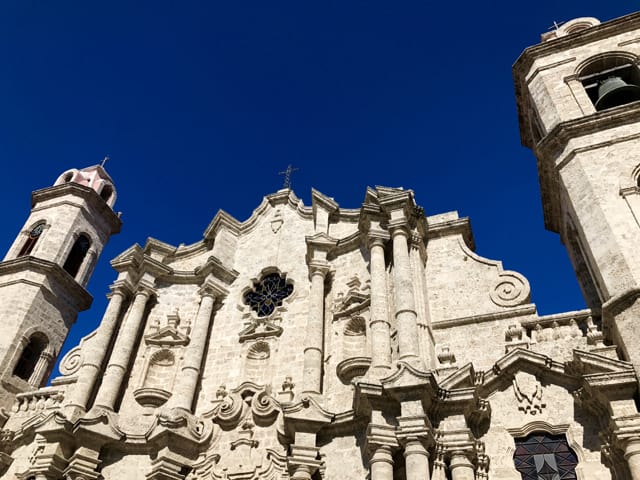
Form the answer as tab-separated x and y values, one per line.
312	375
122	351
416	459
192	363
87	264
99	346
381	463
406	318
631	451
40	369
461	467
379	324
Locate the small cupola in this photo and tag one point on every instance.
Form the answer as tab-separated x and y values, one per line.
94	177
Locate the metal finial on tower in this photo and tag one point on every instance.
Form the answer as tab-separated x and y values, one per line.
287	176
104	160
556	25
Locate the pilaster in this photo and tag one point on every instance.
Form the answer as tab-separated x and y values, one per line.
318	247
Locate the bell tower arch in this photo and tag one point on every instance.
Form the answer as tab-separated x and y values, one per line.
45	272
578	95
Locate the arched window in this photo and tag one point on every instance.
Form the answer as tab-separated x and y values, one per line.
76	256
29	357
34	234
544	456
107	191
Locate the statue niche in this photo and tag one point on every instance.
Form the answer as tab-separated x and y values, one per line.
164	345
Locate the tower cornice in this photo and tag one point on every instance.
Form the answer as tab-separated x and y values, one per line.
552	155
81	298
97	204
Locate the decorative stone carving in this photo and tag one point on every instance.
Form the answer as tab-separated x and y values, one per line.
446	356
44	399
353	368
515	338
528	391
261	328
354	301
71	362
512	289
173	333
277	221
286	395
247	402
594	336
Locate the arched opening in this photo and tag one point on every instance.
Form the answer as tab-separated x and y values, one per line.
67	177
611	80
29	357
107	191
77	255
32	239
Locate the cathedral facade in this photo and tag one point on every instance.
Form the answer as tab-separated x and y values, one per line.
321	342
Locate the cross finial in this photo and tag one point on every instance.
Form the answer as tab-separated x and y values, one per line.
104	160
556	25
287	176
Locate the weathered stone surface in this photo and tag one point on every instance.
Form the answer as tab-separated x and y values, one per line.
312	342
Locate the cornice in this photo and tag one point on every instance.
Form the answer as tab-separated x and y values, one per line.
459	226
77	293
524	63
554	144
320	200
96	204
557	139
592	34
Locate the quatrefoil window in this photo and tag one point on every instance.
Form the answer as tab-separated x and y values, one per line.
268	294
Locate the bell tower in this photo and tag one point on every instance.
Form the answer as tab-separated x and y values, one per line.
578	95
45	272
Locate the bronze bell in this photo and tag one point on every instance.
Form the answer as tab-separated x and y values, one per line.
614	91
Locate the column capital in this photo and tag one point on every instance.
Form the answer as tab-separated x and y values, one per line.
399	226
415	446
377	238
120	287
146	290
381	453
318	268
211	289
381	436
460	458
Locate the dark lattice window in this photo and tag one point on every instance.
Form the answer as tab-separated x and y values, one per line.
76	256
29	357
541	456
34	234
268	294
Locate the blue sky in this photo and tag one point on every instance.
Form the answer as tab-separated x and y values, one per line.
201	104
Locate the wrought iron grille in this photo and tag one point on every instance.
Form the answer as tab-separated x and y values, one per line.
268	294
541	456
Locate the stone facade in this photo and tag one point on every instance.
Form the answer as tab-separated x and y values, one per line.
319	342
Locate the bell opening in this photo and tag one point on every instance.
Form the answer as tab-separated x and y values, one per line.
612	83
